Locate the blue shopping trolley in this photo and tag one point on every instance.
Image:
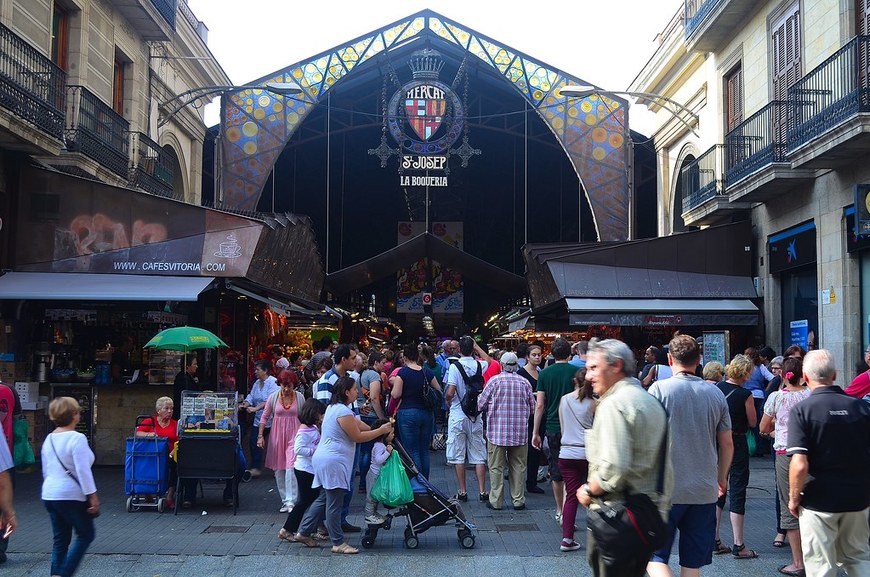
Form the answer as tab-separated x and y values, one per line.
146	474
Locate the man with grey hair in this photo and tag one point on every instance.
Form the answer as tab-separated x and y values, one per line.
829	473
508	401
624	445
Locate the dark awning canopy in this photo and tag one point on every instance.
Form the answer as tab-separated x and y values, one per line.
690	279
425	245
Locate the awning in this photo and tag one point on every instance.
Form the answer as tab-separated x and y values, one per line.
661	312
95	287
290	306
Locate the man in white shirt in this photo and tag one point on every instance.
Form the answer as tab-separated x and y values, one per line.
464	433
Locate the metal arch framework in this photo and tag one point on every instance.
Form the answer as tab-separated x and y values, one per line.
593	131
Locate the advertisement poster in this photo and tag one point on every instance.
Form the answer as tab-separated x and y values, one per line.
68	224
447	290
716	347
799	333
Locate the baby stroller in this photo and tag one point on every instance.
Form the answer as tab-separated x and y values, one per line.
430	508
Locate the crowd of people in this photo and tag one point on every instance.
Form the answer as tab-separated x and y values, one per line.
599	426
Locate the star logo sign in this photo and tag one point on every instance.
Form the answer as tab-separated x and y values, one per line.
791	252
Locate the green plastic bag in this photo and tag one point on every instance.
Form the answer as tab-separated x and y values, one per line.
750	441
22	451
392	487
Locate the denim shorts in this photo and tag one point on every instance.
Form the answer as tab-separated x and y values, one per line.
697	526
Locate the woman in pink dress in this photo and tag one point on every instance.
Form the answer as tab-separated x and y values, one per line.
283	407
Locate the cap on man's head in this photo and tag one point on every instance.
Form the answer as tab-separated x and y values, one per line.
509	363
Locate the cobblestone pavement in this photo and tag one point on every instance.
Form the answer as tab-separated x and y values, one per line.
210	540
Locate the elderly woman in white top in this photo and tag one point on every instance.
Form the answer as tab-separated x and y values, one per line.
68	489
333	463
263	386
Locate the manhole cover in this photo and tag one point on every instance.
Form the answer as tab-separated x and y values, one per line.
225	529
505	527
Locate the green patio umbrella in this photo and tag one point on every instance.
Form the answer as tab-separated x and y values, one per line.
185	339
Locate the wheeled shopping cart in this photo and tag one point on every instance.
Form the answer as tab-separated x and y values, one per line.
146	474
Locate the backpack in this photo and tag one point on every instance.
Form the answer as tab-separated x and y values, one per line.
473	388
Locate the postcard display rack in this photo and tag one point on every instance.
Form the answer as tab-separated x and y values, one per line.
208	445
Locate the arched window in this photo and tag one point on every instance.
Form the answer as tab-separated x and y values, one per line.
177	174
684	181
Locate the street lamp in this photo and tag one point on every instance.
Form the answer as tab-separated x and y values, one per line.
190	96
677	112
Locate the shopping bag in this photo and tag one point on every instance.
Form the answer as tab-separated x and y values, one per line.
750	442
22	451
392	487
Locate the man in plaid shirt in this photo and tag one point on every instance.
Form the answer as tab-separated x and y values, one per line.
508	401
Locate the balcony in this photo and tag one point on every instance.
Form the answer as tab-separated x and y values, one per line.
97	131
829	125
711	23
151	169
32	97
152	19
757	167
704	199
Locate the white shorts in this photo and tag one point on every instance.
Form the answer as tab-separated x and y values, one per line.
465	436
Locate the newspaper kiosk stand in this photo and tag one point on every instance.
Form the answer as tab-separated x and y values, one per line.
208	444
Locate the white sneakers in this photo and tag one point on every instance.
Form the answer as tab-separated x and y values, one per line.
286	508
374	519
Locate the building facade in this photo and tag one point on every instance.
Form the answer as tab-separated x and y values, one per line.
776	132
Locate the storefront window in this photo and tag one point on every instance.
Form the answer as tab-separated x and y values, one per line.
865	296
800	302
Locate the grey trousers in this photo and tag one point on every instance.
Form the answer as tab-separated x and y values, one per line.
327	506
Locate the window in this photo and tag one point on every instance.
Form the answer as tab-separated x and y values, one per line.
60	37
786	50
733	98
118	87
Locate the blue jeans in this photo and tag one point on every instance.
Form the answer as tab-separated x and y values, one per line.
415	431
66	516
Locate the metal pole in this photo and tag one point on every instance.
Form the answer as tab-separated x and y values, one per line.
328	101
526	172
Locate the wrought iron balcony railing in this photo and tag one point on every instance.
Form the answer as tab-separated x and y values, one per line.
702	179
758	141
97	131
833	92
695	12
151	169
188	14
166	8
31	85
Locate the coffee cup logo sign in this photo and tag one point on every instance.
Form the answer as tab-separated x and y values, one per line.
230	248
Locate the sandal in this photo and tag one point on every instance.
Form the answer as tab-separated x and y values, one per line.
792	572
305	540
285	535
749	553
779	540
719	548
345	549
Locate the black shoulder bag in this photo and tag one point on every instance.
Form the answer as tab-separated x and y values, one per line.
633	528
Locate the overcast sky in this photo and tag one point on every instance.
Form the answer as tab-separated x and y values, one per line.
604	43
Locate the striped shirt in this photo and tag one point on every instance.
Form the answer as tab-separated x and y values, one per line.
508	400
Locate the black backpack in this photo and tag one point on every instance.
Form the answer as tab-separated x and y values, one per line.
473	388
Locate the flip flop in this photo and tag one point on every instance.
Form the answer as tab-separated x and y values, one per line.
792	572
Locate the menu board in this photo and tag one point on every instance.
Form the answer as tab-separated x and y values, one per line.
86	397
717	347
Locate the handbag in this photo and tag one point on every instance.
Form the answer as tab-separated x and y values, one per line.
632	528
70	474
23	456
432	397
439	439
